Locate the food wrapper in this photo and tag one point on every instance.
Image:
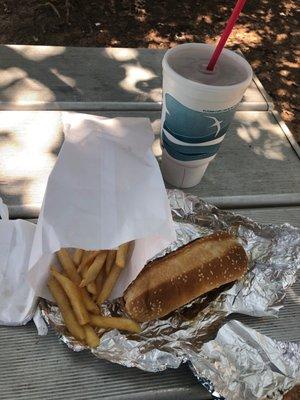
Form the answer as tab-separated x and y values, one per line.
239	363
17	299
105	189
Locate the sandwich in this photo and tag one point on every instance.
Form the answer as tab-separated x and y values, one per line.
179	277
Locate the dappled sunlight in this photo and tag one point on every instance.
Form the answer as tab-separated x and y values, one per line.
36	130
247	133
156	126
242	34
12	193
106	75
156	94
153	37
266	32
38	53
29	142
284	62
64	78
17	86
11	75
281	37
156	148
121	54
268	144
28	90
135	73
28	168
24	162
270	150
31	74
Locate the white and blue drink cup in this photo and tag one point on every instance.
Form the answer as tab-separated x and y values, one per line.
198	106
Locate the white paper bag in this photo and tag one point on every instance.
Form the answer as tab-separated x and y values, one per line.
17	299
105	189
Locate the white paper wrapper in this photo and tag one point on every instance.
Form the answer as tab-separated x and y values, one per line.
17	299
105	189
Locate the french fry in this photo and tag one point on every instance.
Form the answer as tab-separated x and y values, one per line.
87	259
110	259
91	288
84	256
77	256
65	308
91	273
91	338
121	255
83	270
90	305
109	284
100	281
68	265
123	324
74	295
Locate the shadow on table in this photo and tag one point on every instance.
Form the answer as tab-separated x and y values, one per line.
49	74
266	32
29	143
255	157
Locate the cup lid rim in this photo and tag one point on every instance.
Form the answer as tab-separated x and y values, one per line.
204	86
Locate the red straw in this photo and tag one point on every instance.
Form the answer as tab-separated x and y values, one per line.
227	31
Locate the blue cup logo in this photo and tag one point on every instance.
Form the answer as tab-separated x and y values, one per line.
202	151
192	126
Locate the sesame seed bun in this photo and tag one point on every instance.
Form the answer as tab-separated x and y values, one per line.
168	283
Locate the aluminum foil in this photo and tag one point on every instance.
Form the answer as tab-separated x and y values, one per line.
244	364
239	363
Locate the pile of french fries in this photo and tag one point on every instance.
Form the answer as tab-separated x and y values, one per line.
85	282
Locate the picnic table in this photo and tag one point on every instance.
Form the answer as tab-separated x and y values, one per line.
256	174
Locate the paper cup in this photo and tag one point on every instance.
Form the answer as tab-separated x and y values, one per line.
183	174
201	110
198	107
